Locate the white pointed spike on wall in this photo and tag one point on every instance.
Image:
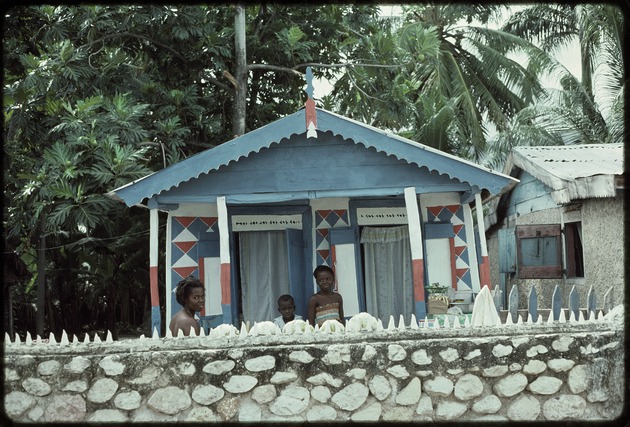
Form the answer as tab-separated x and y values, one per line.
550	318
29	340
51	339
414	323
581	318
401	323
64	338
97	338
109	337
562	318
530	319
508	319
155	335
392	324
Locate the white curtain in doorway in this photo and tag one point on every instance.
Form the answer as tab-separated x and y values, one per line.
388	272
264	273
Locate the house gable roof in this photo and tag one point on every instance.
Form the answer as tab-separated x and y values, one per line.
295	124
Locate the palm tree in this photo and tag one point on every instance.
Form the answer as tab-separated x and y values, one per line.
582	112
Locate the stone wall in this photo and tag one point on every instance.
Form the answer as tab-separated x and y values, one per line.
550	371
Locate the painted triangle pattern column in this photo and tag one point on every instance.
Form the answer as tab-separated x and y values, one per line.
459	257
324	221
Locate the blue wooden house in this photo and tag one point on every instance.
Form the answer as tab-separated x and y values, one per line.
254	216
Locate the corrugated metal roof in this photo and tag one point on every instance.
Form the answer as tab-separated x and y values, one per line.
573	171
252	142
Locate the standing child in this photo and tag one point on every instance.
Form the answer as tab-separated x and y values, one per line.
325	304
286	307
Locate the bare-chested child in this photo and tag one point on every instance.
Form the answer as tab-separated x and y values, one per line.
190	294
325	304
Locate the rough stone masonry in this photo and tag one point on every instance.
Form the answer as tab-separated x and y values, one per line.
555	371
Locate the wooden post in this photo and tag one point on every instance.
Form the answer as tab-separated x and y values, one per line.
224	254
415	240
484	266
153	271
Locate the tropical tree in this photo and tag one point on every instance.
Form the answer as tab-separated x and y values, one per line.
583	111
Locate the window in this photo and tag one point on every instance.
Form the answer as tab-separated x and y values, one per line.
539	251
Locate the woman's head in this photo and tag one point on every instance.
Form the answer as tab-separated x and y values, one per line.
185	287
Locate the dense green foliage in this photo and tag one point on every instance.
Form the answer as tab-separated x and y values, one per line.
97	96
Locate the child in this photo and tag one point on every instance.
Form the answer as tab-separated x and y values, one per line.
190	294
286	307
325	304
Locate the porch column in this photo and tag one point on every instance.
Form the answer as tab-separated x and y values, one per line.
484	266
224	254
153	271
415	240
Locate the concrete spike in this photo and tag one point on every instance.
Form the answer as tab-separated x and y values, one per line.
581	318
17	339
571	316
392	324
401	323
414	323
550	318
169	333
530	319
562	318
29	340
51	339
456	323
64	338
97	338
508	319
109	337
156	335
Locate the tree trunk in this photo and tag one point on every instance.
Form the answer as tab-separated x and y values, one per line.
240	98
41	278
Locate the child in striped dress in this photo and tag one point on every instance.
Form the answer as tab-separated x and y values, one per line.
325	304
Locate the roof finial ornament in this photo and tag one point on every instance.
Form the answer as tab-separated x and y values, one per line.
311	114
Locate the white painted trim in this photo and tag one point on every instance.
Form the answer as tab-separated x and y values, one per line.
413	216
